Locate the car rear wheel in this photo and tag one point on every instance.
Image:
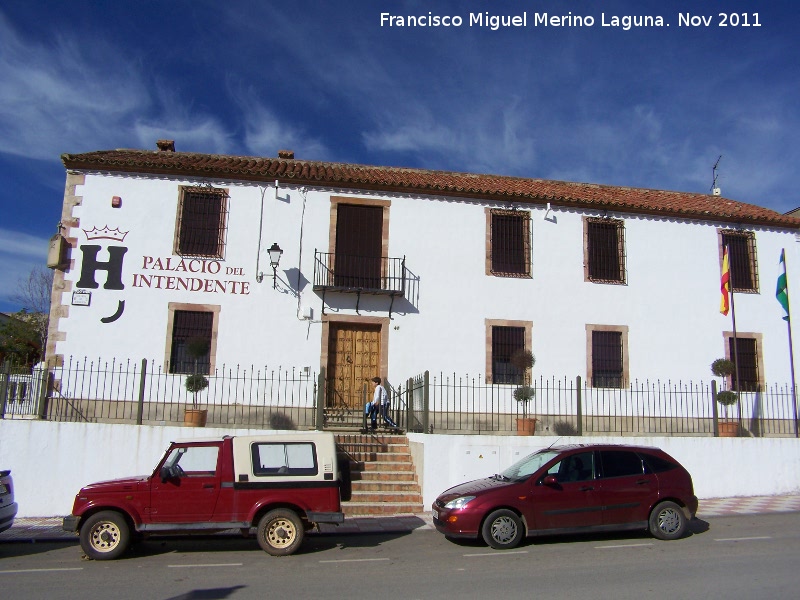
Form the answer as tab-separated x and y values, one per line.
502	529
105	535
667	521
280	532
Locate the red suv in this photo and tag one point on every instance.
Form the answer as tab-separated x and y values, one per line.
572	489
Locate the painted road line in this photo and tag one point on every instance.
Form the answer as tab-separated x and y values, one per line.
496	553
744	539
347	560
622	546
41	570
205	565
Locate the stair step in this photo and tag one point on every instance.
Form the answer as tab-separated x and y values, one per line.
383	476
388	485
383	508
384	496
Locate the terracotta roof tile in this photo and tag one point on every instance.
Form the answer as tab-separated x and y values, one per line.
422	181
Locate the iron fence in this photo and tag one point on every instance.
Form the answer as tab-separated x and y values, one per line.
261	397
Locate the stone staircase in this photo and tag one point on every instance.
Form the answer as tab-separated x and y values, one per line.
382	474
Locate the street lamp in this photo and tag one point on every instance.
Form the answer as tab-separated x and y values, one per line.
275	253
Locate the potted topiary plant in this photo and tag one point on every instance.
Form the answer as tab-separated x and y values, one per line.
196	347
722	367
524	361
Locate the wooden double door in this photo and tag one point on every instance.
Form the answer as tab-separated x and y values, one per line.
354	357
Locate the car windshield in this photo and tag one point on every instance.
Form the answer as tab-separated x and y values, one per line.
528	466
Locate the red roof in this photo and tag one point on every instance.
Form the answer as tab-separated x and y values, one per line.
289	170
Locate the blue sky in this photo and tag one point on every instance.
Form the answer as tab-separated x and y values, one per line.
645	107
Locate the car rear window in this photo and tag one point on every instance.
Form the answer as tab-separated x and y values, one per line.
656	464
284	459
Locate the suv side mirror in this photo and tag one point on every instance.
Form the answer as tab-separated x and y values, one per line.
166	473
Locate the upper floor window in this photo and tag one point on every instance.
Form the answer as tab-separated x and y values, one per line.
509	249
202	222
604	250
741	259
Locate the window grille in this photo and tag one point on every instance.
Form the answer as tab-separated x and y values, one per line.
510	240
506	341
742	260
607	359
202	222
188	324
747	358
606	250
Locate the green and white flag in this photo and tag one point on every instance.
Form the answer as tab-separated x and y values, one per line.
782	292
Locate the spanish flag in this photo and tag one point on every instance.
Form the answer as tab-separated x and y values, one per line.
725	287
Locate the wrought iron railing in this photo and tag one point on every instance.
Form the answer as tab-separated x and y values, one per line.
342	272
144	393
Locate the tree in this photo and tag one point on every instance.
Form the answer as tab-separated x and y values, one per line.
19	339
33	295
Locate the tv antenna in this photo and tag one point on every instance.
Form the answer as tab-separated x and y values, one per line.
714	189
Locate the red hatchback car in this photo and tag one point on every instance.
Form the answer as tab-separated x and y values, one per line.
572	489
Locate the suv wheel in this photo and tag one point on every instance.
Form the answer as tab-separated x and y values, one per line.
280	532
105	535
502	529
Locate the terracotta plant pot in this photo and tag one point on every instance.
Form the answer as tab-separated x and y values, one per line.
526	426
195	417
728	429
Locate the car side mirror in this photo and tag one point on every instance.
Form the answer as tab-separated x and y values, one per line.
550	480
166	473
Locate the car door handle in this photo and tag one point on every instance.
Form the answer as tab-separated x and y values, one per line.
643	482
586	488
208	486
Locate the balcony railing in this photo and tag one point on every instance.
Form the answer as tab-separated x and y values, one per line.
372	275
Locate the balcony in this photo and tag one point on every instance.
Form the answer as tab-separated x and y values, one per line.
359	275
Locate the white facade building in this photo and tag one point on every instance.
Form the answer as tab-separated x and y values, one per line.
391	272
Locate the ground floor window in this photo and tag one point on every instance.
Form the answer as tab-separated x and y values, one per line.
607	356
191	327
503	340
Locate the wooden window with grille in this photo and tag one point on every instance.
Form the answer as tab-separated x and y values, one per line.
746	356
607	359
186	325
741	260
202	222
505	342
510	247
605	250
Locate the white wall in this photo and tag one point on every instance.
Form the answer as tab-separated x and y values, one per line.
669	303
50	461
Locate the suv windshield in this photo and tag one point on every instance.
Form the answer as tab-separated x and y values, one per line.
529	465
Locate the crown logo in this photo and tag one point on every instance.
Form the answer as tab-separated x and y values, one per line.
105	234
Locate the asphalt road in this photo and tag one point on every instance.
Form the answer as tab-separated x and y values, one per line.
724	557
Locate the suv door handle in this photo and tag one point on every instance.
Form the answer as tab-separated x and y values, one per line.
208	485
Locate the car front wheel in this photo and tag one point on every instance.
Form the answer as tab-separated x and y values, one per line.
105	535
502	529
667	521
280	532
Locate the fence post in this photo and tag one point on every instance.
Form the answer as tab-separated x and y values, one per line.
714	413
4	386
579	404
41	374
319	412
425	402
142	381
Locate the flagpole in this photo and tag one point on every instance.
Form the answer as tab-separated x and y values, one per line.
735	343
791	345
